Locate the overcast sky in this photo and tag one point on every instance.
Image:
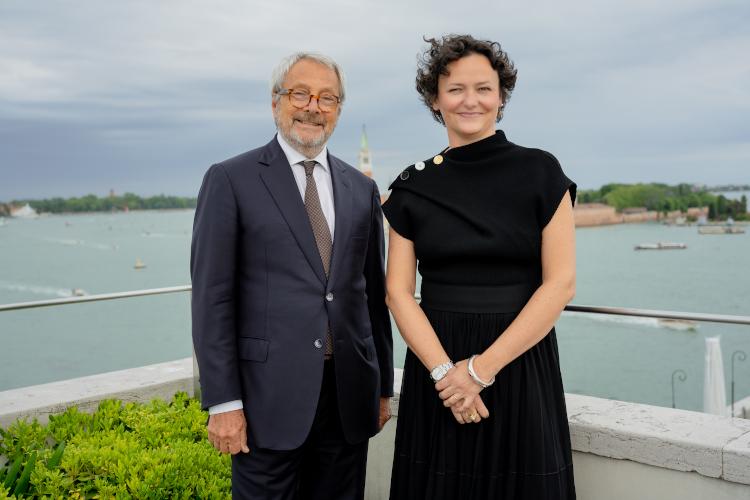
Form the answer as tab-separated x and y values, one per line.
143	96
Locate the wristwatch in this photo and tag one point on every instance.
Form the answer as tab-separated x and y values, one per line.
441	371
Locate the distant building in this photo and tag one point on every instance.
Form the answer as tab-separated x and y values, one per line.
364	162
24	212
595	214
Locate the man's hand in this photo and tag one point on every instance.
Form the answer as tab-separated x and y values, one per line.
228	432
385	412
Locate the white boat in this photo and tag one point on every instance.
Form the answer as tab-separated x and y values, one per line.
721	230
139	264
678	324
661	246
77	292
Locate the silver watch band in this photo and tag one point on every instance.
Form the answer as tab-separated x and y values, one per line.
441	370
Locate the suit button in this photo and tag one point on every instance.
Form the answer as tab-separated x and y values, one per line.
318	343
329	296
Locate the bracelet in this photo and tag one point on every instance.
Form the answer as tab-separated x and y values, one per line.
475	377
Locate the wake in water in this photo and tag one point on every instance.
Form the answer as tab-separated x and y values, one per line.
149	234
47	291
81	243
634	320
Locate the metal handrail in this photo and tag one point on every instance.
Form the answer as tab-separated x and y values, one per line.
653	313
620	311
93	298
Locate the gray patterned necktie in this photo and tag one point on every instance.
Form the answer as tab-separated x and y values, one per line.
320	228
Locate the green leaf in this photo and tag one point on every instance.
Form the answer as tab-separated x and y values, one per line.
13	473
23	482
56	457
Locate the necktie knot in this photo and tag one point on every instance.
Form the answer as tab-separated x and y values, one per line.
309	166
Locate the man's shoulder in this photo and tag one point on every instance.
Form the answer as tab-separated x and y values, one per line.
354	173
249	159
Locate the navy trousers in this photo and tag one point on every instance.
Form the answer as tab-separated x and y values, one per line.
325	467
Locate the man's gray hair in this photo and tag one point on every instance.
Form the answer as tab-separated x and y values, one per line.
279	74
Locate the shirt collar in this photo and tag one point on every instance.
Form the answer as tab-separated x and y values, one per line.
293	156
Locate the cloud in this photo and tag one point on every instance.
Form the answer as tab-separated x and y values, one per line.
160	90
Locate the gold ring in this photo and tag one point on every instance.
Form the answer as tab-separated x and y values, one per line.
473	417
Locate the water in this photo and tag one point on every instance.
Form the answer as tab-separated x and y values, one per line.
733	195
630	359
48	257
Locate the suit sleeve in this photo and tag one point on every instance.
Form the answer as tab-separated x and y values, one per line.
379	317
212	270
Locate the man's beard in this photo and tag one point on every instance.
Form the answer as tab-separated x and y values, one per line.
294	139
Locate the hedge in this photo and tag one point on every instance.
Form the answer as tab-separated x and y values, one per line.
154	450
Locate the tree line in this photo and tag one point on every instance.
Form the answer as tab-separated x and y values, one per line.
666	198
658	197
93	203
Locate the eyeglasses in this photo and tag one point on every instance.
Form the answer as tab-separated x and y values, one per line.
299	98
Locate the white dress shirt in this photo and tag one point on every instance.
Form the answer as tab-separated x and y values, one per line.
321	173
324	183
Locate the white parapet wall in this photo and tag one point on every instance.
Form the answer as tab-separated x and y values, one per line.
621	450
631	450
142	384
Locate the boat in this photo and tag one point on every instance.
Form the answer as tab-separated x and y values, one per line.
721	230
77	292
661	246
678	324
139	264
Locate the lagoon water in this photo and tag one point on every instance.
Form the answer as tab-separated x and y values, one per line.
630	359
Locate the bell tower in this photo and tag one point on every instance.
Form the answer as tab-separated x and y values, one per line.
364	163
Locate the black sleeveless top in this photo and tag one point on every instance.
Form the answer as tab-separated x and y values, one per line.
476	218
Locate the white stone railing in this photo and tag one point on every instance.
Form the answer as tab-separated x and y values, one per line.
621	450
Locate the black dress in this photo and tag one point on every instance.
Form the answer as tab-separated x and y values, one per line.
476	220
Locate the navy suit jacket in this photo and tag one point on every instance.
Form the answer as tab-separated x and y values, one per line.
261	301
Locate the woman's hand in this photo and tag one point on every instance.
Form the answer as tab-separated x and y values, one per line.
458	390
473	415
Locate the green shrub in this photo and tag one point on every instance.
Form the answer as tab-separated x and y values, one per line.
155	450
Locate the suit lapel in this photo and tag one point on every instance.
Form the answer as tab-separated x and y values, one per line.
342	202
280	182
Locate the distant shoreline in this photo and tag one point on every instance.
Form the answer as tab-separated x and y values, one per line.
599	214
137	210
95	212
94	204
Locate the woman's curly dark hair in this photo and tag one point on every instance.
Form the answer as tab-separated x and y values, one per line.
435	60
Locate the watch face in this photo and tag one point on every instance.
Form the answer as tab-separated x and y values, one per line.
439	372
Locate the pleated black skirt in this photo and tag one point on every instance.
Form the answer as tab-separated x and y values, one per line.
522	451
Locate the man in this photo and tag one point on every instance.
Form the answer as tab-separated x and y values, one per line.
290	326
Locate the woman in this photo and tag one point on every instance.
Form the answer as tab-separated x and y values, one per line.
491	225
